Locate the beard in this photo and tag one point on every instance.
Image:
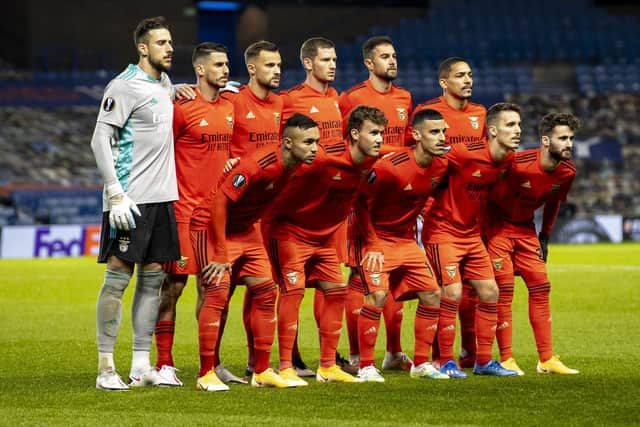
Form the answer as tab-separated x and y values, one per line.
560	155
388	76
269	84
157	64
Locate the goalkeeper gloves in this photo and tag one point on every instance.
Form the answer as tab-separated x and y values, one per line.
544	245
121	209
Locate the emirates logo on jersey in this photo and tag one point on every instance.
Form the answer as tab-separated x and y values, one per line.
276	118
475	123
402	113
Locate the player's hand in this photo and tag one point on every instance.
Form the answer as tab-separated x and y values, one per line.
372	261
185	91
215	270
544	245
121	210
231	163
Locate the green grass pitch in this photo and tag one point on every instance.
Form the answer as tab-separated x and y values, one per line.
48	359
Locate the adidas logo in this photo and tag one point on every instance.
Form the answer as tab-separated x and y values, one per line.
356	311
432	327
337	177
293	327
371	330
269	187
250	115
477	174
203	122
526	184
503	325
314	109
408	187
214	324
449	328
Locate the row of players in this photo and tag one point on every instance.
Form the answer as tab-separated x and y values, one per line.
301	163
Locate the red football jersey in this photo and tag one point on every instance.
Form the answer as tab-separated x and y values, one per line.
202	132
251	187
525	188
315	202
395	104
256	121
457	209
467	125
396	189
321	107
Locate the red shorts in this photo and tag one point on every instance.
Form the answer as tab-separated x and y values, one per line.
521	256
296	263
405	271
463	259
247	256
195	248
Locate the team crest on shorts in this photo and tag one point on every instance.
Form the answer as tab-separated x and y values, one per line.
375	279
292	277
474	122
451	270
123	244
497	263
182	262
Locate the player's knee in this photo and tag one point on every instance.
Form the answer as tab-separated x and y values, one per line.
376	298
535	278
452	291
431	297
487	291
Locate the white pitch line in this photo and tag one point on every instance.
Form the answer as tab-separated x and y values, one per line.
562	268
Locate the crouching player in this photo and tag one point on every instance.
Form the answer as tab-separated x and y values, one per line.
239	255
538	177
396	190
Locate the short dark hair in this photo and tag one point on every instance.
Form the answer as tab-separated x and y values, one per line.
551	120
424	115
370	45
358	115
309	48
141	33
206	48
445	66
494	111
254	49
299	121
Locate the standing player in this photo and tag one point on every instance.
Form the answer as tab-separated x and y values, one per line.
452	239
258	112
202	129
133	147
395	102
239	254
396	191
300	233
466	121
316	99
538	177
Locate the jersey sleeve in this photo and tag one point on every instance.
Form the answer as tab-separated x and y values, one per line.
118	103
238	180
179	121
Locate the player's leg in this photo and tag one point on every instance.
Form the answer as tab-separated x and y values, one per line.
222	371
445	259
376	286
353	305
466	313
501	252
170	292
534	273
394	358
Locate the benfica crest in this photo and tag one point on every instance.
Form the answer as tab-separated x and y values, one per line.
375	279
402	113
230	121
497	263
292	277
182	262
276	117
123	244
451	270
474	122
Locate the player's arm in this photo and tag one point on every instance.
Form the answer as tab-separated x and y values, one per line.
373	257
117	105
217	228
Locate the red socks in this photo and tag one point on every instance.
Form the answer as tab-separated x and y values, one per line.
288	311
425	327
540	318
486	320
504	331
447	328
392	312
164	342
467	312
263	322
368	325
209	321
331	324
352	306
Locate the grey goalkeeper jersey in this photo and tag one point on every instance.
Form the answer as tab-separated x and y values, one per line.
142	109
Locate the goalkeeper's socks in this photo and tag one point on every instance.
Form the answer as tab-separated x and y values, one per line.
540	318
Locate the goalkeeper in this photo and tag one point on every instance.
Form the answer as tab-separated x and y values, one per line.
133	147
